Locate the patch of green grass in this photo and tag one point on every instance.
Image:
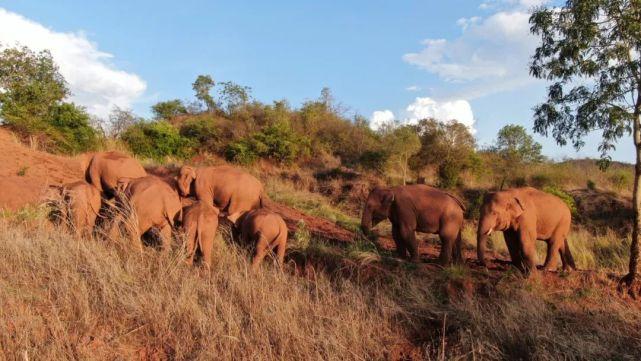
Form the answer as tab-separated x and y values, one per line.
310	203
23	171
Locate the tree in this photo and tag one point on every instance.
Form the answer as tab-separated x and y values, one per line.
233	95
202	86
73	132
590	50
402	143
120	120
31	87
516	148
168	109
447	146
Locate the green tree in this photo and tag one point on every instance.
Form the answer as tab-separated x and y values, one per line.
202	86
156	140
402	143
515	148
168	109
72	132
31	88
233	95
589	50
446	146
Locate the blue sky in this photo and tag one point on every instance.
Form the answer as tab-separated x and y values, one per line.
460	58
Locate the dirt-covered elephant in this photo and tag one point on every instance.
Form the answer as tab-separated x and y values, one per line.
200	222
105	168
145	203
265	231
231	190
78	207
525	215
417	208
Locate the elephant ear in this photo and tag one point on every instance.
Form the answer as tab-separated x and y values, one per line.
188	171
519	206
122	184
388	198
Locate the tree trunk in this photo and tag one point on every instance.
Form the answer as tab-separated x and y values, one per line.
629	279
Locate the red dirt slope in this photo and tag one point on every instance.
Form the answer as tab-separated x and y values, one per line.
26	173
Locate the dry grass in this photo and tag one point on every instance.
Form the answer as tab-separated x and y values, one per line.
67	299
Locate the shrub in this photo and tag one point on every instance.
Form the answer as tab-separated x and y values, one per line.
70	129
156	140
277	142
621	180
449	174
591	185
241	152
202	132
374	160
565	197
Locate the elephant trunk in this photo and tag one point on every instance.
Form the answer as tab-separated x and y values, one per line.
366	221
482	235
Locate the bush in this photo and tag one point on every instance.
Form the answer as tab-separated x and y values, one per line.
202	132
621	180
241	152
276	142
565	197
70	129
591	185
374	160
156	140
449	174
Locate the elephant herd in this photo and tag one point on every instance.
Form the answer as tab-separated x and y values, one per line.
142	202
524	215
118	191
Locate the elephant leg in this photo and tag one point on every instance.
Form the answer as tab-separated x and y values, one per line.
262	247
401	250
165	235
528	248
566	256
514	247
408	238
553	254
191	247
281	254
206	247
450	236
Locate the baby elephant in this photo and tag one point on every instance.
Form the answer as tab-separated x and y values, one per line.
267	231
200	222
80	206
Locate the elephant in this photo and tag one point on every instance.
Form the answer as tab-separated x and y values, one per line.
154	204
265	230
232	190
417	208
80	206
525	215
200	222
105	168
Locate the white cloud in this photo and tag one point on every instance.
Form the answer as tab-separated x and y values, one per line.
380	118
492	53
413	88
459	110
93	80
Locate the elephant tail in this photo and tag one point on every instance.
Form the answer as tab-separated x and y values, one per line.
567	255
458	201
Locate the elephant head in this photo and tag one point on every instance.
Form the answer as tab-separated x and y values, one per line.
186	176
499	211
377	208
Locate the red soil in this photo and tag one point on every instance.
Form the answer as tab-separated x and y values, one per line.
25	173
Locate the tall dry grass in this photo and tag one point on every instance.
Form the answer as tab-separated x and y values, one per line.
61	298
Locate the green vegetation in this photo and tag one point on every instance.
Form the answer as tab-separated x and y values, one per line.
156	140
32	105
588	51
